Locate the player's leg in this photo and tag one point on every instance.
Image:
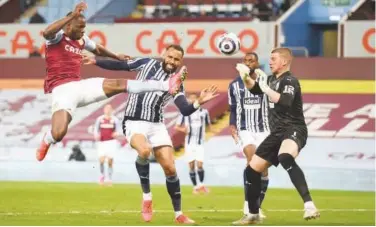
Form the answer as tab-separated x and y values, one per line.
165	157
192	175
200	168
164	154
102	159
136	133
110	169
288	151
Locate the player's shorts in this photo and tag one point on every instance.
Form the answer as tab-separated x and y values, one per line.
250	138
194	152
72	95
107	148
155	132
269	148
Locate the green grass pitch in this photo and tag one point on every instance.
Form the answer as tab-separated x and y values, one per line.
37	203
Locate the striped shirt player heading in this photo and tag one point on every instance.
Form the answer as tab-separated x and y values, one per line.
148	106
196	123
248	111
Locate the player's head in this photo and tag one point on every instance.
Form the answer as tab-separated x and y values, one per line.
251	60
280	60
172	58
75	29
107	110
192	97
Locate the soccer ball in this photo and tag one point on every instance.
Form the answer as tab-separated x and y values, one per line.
228	44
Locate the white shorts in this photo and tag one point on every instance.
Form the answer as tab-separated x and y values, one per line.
194	152
107	148
76	94
250	138
156	133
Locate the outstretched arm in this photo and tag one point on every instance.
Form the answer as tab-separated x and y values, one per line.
52	29
128	65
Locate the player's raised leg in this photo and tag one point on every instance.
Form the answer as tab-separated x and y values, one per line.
287	154
164	156
59	127
140	144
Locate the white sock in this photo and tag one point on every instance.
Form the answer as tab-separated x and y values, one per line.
146	196
245	208
48	138
138	86
178	213
309	205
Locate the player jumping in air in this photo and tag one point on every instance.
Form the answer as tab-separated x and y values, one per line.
194	128
143	122
106	129
249	122
66	40
288	131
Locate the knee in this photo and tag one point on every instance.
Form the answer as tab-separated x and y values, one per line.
200	166
144	152
58	133
286	160
265	173
110	161
169	170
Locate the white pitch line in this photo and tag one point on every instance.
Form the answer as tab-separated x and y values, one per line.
170	211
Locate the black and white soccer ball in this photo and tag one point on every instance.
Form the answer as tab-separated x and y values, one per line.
228	44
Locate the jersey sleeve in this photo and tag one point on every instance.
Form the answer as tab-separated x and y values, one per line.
137	64
56	39
90	45
96	130
207	118
288	90
118	128
232	104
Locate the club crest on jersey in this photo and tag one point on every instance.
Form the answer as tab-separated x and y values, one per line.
71	49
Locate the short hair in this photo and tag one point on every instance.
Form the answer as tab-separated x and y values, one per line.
284	52
176	47
70	13
254	54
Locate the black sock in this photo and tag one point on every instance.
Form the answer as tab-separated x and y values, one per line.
245	185
264	188
192	175
201	174
143	169
101	168
253	189
173	188
296	175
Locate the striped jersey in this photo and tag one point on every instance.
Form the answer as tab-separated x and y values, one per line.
148	106
196	124
249	111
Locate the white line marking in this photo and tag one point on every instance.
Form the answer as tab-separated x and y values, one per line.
170	211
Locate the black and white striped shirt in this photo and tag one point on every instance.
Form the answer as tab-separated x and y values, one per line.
196	124
148	106
248	111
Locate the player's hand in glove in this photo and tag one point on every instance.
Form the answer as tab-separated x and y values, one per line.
262	80
243	70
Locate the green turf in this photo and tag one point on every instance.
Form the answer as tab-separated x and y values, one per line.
28	203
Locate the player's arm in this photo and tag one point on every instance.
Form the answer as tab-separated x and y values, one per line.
245	73
232	104
180	126
135	64
52	29
286	97
117	132
186	108
96	130
100	50
207	120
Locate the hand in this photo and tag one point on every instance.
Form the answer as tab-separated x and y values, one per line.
243	70
97	138
87	60
234	133
114	135
123	57
207	94
262	80
80	7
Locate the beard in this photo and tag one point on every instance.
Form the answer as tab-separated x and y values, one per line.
164	66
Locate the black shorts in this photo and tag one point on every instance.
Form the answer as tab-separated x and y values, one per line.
269	148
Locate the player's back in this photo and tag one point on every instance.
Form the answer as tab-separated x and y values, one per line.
63	60
283	116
